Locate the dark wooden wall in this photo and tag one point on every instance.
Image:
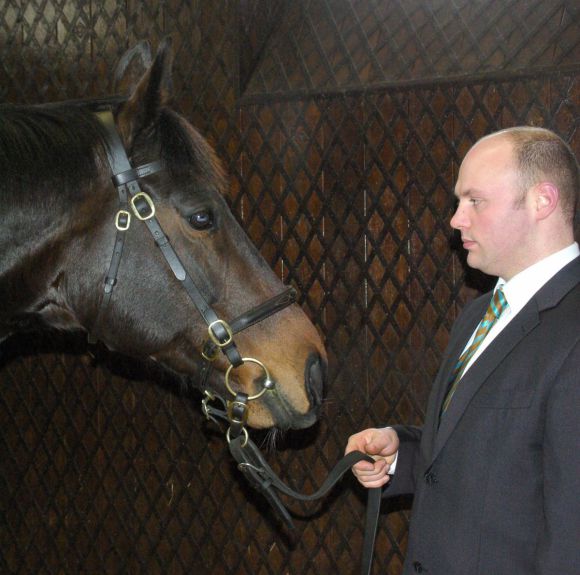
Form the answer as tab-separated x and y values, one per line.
342	125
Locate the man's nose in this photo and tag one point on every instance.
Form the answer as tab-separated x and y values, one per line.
459	219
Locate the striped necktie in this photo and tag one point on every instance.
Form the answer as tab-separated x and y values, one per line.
497	305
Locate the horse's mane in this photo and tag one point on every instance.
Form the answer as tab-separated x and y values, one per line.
48	147
61	146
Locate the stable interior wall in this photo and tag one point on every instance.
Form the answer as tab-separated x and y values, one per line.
341	125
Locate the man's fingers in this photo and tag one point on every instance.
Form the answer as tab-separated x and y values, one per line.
377	482
371	441
366	468
372	479
382	445
379	464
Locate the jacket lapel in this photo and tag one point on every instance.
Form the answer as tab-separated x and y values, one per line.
485	365
460	335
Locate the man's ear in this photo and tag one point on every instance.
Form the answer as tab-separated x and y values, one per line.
148	87
546	198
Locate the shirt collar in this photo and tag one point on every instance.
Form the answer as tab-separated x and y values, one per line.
522	287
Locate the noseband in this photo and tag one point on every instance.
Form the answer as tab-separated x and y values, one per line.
133	201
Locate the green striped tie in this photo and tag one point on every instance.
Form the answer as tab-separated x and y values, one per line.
497	305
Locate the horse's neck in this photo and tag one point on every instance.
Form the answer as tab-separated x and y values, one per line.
40	247
29	247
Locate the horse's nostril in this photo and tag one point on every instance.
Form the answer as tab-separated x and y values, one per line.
315	373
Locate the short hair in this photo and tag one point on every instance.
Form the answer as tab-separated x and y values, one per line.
541	155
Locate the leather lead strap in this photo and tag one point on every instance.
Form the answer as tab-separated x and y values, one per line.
371	524
263	478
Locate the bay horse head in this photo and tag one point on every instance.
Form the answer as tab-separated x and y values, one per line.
145	263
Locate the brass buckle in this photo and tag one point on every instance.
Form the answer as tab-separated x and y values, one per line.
148	201
209	396
120	226
207	357
230	410
228	331
268	383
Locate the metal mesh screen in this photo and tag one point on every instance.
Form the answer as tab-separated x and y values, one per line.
342	125
330	45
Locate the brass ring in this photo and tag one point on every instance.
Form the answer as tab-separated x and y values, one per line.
244	431
267	381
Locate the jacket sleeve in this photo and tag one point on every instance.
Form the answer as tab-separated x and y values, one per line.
559	541
403	481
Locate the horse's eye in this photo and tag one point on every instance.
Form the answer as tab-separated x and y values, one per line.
202	220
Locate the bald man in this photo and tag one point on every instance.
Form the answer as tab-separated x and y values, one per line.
495	469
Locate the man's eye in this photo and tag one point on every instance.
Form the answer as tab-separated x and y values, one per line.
202	220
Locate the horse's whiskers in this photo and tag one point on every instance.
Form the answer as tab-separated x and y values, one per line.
271	438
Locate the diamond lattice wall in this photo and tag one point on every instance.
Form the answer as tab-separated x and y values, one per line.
342	125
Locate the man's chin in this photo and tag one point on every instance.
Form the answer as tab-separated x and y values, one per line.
473	261
476	263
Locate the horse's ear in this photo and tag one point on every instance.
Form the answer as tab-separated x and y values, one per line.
131	67
148	91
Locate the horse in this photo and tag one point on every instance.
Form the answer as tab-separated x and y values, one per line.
114	222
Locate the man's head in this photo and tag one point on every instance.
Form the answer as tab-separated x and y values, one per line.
518	192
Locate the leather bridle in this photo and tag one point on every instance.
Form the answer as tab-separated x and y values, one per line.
133	202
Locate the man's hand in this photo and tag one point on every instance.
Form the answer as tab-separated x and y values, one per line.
382	445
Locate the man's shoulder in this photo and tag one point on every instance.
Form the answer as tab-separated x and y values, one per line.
562	289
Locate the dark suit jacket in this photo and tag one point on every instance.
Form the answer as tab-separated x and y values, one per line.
497	483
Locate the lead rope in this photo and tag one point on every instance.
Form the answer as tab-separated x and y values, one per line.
262	477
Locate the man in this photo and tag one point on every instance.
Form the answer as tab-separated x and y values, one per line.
495	470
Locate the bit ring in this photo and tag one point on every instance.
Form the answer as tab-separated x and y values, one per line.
268	383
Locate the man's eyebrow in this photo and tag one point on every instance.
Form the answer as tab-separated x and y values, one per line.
465	193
